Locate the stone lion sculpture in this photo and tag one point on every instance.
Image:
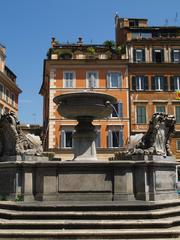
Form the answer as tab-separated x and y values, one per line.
156	140
13	141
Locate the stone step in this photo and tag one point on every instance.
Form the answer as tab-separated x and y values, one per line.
153	214
88	206
88	224
90	234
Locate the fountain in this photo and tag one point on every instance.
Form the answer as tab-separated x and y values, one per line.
85	107
146	172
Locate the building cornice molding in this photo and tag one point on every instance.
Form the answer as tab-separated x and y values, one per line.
9	82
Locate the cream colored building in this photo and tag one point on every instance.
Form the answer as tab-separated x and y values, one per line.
9	91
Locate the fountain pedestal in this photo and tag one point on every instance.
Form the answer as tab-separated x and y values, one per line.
84	140
85	107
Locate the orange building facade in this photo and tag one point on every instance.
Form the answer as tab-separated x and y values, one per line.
9	91
85	68
153	54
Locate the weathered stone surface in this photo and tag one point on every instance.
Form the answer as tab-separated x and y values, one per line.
155	141
13	141
89	180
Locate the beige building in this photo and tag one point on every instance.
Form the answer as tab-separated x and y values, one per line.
9	91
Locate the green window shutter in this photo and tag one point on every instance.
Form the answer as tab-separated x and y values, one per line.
153	83
165	83
141	114
62	139
119	81
162	55
172	83
177	114
153	55
108	76
172	55
143	55
133	80
97	140
109	138
146	86
120	109
134	55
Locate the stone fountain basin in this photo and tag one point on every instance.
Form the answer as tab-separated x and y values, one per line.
85	104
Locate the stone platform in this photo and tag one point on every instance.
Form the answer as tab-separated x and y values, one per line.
143	179
90	220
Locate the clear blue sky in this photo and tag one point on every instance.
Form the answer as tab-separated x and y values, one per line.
27	28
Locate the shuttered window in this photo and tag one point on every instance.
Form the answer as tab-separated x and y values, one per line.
92	80
69	78
114	80
175	83
66	139
115	138
178	145
175	55
141	114
139	83
98	138
159	83
160	108
117	110
139	55
178	114
1	91
158	55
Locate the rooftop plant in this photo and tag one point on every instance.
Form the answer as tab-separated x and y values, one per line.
91	50
109	44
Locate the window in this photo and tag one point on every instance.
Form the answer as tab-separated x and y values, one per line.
159	83
175	55
178	144
141	114
141	35
178	114
92	79
69	78
66	139
1	91
7	95
139	83
117	110
134	23
115	138
139	55
12	99
175	83
158	55
114	80
160	108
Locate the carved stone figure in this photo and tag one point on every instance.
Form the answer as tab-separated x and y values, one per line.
13	141
156	140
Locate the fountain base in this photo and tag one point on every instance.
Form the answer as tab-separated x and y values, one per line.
84	140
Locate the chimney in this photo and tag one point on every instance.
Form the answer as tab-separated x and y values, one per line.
53	42
80	41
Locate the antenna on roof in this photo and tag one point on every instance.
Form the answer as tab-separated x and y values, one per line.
166	22
176	17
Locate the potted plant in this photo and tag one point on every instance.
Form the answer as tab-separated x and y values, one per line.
65	54
109	43
91	52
